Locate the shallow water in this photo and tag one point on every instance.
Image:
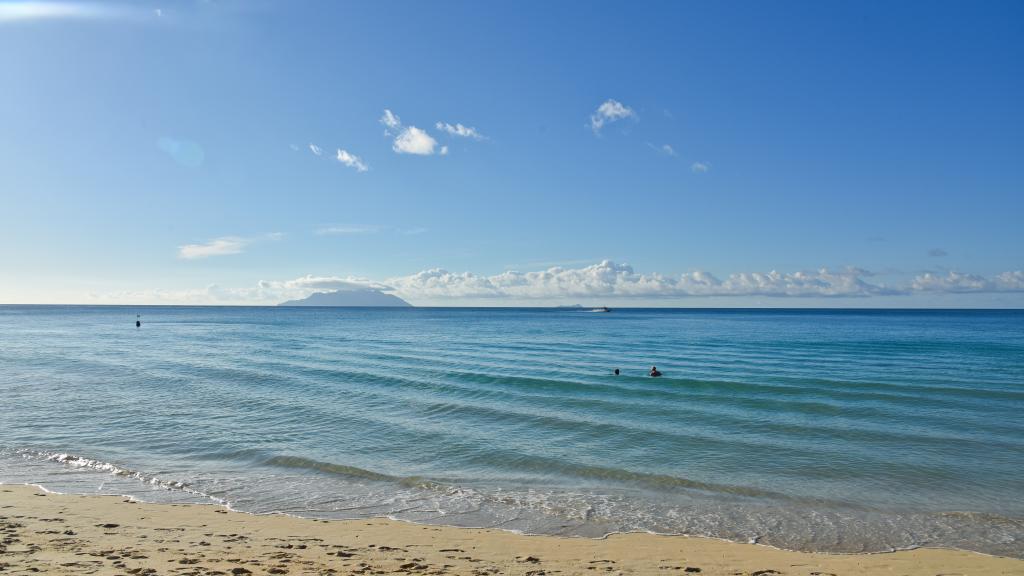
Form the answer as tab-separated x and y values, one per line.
841	431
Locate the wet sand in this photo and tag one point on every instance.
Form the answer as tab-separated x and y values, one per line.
43	533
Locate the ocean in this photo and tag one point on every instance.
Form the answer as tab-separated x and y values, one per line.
818	430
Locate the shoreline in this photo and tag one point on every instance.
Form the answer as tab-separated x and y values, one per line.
49	532
217	502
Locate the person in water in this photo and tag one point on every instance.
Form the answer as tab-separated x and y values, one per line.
654	372
616	371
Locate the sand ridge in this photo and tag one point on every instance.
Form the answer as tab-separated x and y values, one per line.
44	533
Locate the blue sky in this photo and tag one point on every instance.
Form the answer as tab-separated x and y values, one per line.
657	153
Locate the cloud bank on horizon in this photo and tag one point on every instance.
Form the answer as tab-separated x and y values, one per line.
606	280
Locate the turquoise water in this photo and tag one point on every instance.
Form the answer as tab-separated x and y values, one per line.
838	431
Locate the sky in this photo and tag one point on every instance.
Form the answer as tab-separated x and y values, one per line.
784	154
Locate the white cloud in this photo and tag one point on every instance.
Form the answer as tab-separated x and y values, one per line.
361	229
305	285
316	149
1010	281
412	140
351	160
700	167
608	279
217	247
349	230
609	111
665	149
957	282
27	11
460	130
390	120
264	292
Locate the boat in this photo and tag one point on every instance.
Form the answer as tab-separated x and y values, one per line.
601	309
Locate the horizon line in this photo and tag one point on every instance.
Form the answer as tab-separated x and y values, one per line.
551	307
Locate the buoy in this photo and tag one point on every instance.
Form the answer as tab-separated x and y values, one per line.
138	323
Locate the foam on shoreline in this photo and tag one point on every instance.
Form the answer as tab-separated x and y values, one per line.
113	535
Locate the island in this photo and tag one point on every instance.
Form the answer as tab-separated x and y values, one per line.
354	297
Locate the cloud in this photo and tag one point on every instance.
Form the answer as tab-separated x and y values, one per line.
412	140
390	120
316	149
937	253
351	160
700	167
957	282
360	229
460	130
28	11
608	279
349	230
218	247
305	285
264	292
605	280
665	149
608	112
1010	281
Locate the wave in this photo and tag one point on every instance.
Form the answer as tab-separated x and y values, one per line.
636	479
580	512
73	461
328	467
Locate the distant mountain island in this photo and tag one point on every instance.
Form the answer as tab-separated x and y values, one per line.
356	297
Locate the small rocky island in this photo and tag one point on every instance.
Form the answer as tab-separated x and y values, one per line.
354	297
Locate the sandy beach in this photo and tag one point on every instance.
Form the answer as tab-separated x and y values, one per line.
65	534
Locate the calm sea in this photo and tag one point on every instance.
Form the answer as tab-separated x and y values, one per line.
841	431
